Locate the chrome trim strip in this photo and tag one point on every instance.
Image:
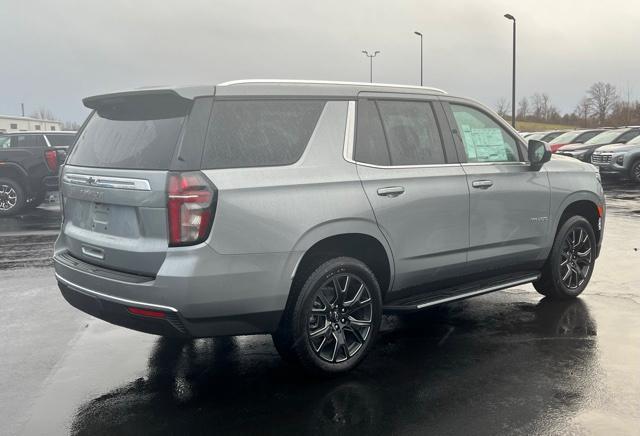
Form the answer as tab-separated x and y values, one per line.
107	182
479	291
474	164
111	297
329	82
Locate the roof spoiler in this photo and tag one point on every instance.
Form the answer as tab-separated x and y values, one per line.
97	101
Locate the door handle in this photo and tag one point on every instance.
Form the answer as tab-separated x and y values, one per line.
483	184
391	191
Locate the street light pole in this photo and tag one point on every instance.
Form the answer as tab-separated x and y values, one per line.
513	78
421	52
370	56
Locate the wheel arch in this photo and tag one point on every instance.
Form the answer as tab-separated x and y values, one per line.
584	204
358	238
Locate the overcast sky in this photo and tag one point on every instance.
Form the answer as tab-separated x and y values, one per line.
54	53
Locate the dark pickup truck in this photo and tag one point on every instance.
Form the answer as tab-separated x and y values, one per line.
29	163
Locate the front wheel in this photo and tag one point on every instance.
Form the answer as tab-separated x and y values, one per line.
634	171
335	318
570	264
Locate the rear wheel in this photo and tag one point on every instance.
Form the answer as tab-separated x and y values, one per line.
570	264
36	201
335	318
12	197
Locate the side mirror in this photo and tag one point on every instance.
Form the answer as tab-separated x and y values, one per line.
538	152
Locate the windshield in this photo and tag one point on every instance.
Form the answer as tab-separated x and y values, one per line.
567	138
604	138
136	133
634	141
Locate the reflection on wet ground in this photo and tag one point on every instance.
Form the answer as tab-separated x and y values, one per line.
442	370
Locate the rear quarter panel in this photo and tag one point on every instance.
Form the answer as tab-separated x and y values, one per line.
287	209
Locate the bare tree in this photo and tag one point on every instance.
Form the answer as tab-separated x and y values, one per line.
603	97
523	108
584	109
542	108
43	113
503	107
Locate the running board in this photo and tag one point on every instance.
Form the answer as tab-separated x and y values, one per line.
434	298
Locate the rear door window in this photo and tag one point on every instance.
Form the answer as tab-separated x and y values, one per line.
371	146
61	140
139	132
412	133
252	133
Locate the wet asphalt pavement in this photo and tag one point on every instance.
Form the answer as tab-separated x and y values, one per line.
505	363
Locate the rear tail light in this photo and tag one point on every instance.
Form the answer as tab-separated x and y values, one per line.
555	147
191	202
51	157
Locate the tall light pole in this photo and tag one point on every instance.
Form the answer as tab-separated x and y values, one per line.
370	56
420	35
513	78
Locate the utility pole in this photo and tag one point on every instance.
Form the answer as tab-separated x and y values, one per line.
513	78
421	53
22	106
370	56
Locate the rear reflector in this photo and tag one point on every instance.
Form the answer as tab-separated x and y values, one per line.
191	201
146	312
51	157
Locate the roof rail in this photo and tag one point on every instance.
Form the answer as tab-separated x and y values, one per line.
329	82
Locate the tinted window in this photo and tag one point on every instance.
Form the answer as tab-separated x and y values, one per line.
371	146
628	136
29	141
412	133
586	136
5	141
137	132
61	140
259	132
551	136
484	139
568	137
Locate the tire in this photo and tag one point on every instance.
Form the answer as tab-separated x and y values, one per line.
634	171
334	320
12	197
36	201
570	265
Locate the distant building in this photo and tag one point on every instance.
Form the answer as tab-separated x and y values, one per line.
16	123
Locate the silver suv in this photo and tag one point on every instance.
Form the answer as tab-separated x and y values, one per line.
307	209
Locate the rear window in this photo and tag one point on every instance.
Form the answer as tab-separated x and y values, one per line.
251	133
139	132
61	140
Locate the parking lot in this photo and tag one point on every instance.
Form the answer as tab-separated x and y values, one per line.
509	362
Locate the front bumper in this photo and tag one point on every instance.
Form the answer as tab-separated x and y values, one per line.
607	163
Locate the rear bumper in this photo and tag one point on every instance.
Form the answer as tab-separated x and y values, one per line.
194	304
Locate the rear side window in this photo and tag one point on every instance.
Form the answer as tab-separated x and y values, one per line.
28	141
135	132
252	133
61	140
412	132
586	136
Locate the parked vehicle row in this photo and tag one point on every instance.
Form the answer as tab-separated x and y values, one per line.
306	209
615	151
29	163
